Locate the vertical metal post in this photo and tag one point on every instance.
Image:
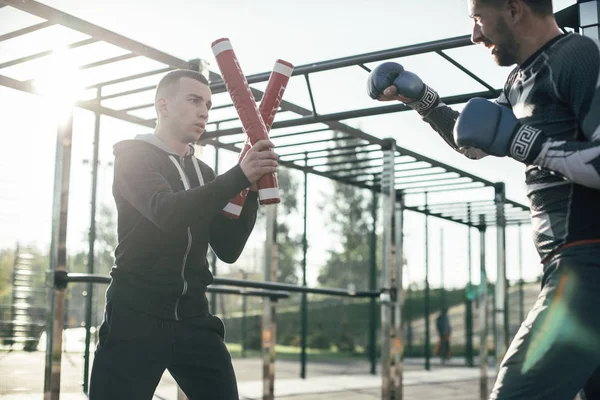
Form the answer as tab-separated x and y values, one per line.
398	350
268	318
91	251
373	286
214	261
388	199
469	298
304	305
442	286
483	315
427	327
244	310
501	298
58	261
521	282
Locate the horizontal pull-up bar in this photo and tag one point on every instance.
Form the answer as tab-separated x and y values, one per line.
91	278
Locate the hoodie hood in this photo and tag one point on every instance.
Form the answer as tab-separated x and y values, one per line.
151	139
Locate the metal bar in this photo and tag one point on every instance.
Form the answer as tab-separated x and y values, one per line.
209	141
466	71
88	105
469	297
408	179
427	327
304	304
462	186
387	295
332	154
398	349
269	327
222	106
294	166
501	297
134	108
91	248
483	315
470	204
272	294
445	218
45	53
130	78
344	115
364	67
95	64
332	176
348	161
217	287
521	293
26	30
312	152
376	175
439	182
213	296
54	348
328	140
309	131
128	92
310	94
295	288
429	177
58	17
420	48
225	120
373	287
442	291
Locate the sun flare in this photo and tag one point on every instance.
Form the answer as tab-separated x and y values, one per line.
60	83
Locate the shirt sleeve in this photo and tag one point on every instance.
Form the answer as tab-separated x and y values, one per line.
577	83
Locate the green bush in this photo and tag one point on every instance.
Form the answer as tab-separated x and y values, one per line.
319	341
253	341
290	339
345	343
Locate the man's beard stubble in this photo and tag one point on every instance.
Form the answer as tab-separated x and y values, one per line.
505	53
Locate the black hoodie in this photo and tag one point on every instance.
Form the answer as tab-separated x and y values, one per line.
169	211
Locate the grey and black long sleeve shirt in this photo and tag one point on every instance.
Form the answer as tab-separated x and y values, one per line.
557	90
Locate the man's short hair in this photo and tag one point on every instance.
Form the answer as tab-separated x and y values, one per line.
542	8
172	78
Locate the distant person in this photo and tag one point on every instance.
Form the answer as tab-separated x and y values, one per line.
442	323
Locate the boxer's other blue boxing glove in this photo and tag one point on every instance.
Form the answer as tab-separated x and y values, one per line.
407	85
493	128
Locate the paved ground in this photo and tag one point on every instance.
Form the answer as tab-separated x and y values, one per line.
21	378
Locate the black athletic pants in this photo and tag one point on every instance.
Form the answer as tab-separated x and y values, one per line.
135	349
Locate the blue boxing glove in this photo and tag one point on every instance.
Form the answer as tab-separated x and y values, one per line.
493	128
407	85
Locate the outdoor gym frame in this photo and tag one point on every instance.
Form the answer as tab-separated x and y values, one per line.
384	168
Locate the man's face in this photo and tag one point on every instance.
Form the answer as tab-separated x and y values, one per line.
188	109
493	31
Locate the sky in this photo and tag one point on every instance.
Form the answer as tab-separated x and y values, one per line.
300	32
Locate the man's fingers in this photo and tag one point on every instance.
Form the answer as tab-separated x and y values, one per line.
269	163
390	91
262	145
268	155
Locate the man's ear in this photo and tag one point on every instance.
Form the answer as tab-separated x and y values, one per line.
162	107
516	8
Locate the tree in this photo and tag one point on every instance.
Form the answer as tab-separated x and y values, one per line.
106	240
349	217
287	267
